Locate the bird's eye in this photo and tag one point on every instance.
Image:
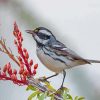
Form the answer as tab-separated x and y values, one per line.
46	37
43	36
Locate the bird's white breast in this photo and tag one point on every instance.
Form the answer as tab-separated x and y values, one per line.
50	63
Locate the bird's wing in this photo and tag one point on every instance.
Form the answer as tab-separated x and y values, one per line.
60	49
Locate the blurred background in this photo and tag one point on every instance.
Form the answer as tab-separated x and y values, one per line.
76	23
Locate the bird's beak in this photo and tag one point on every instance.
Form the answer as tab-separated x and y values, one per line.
30	31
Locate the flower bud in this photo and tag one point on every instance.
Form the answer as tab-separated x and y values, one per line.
5	68
19	58
19	34
10	71
31	62
3	73
21	70
34	72
15	71
25	73
21	39
26	55
15	42
24	79
35	66
24	50
19	49
21	65
8	66
14	77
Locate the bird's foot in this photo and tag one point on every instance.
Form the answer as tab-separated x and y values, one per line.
43	79
62	88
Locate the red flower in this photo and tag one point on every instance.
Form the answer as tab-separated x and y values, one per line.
22	60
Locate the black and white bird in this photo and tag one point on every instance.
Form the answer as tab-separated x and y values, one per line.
54	54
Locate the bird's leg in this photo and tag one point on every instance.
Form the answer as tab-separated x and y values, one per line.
64	75
44	79
51	76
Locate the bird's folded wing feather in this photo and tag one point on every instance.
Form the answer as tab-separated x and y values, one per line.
61	49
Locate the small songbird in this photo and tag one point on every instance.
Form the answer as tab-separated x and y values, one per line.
54	54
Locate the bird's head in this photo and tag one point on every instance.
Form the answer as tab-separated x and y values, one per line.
41	35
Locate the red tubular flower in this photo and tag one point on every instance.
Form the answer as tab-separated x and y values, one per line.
26	55
10	71
20	59
15	71
15	42
12	75
21	71
31	62
22	52
35	66
34	72
3	74
5	68
25	73
25	65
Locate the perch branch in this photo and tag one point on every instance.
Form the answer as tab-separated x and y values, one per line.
43	88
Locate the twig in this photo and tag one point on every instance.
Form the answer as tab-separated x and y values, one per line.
36	83
5	50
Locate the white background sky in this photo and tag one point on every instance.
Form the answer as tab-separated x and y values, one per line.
74	22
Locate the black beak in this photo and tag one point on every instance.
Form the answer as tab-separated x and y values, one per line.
29	31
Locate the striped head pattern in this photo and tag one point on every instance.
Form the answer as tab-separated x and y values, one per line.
41	35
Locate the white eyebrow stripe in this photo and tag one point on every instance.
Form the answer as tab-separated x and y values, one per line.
45	32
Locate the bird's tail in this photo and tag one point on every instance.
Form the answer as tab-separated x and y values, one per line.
93	61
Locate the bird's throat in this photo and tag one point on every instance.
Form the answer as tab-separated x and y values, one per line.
39	44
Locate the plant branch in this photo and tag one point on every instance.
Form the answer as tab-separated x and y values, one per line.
43	88
5	50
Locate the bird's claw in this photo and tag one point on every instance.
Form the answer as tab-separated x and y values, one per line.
43	79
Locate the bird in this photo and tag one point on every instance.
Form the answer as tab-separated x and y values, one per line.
55	55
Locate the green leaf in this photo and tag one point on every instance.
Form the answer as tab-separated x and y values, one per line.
49	86
52	97
30	87
33	95
79	98
76	98
69	97
64	95
41	96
